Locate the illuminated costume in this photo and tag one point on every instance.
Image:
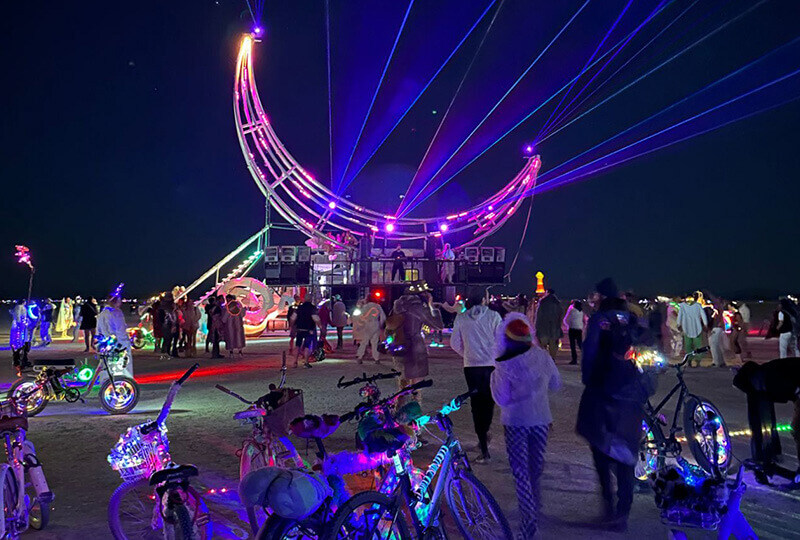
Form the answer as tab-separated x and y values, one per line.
369	324
111	322
46	316
448	268
675	338
65	317
19	326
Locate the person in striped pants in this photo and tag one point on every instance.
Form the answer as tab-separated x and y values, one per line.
520	383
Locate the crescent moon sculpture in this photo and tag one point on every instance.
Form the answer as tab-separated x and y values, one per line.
312	208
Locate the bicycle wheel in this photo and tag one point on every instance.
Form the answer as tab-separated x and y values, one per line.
650	459
36	402
10	494
132	512
185	526
368	515
279	528
122	398
38	512
705	428
476	513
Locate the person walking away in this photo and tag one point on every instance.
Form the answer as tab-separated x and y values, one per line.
111	322
398	268
473	338
89	311
46	317
410	312
191	323
291	326
738	335
233	319
156	322
675	337
369	321
574	320
716	335
324	312
214	316
356	324
548	323
339	317
692	322
788	328
65	319
524	375
76	317
19	325
611	409
306	320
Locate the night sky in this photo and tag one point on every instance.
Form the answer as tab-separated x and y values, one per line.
120	161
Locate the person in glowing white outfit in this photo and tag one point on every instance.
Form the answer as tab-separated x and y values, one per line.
111	322
448	268
370	320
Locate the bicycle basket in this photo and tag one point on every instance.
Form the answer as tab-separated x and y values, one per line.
137	456
290	407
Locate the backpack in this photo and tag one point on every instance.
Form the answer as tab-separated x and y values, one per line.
396	341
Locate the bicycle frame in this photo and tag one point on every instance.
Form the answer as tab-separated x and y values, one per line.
21	454
683	394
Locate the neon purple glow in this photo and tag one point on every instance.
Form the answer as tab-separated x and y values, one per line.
443	227
258	30
390	227
529	149
331	205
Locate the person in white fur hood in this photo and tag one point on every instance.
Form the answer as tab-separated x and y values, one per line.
523	376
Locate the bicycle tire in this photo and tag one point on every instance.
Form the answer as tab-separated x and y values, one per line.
500	524
280	528
380	504
38	513
185	525
129	385
690	428
40	405
650	460
10	493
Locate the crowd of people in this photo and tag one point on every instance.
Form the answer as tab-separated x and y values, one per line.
36	321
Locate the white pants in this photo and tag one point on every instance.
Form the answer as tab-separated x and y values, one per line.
716	341
787	345
369	336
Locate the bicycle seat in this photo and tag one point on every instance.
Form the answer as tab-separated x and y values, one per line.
55	363
12	424
312	426
175	474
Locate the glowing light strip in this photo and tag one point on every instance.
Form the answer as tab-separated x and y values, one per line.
670	59
430	81
375	94
497	104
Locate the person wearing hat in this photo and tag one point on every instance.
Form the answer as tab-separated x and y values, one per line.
523	376
416	310
611	409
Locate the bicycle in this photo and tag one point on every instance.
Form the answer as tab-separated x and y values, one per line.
268	443
703	426
25	504
59	380
385	513
140	337
155	499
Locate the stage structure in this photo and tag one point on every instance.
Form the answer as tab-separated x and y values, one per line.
337	229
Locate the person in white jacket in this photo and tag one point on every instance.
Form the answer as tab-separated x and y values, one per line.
370	321
473	338
520	383
111	322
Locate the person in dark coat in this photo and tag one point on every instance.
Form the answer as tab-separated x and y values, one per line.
89	311
548	323
611	410
214	323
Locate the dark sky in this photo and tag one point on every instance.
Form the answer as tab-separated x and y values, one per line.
120	161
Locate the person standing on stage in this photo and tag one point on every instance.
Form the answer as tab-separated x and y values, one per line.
398	268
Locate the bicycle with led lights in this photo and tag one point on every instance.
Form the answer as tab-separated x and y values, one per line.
63	380
268	444
386	513
25	503
156	499
703	427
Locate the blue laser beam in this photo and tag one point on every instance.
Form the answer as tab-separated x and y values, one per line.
452	101
377	89
553	129
679	102
594	54
500	101
430	81
664	63
535	110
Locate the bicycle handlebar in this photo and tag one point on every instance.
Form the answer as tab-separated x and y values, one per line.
454	405
365	379
173	391
232	393
695	352
362	408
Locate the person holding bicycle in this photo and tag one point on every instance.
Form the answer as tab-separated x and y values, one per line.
524	374
611	410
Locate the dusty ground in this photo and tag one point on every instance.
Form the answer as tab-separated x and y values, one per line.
73	441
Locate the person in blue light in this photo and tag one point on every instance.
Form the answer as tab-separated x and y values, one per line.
46	324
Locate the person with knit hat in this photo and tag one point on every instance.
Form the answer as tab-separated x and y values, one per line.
611	409
523	375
